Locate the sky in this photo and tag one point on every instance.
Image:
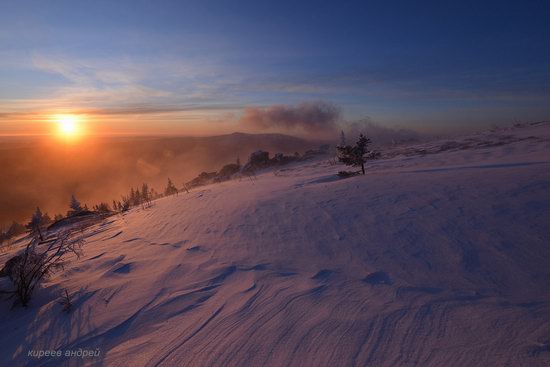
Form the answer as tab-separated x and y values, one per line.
209	67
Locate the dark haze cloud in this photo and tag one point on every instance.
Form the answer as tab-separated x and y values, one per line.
321	120
309	117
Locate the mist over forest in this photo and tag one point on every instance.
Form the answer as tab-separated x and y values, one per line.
37	171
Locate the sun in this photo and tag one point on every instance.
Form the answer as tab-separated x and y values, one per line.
69	127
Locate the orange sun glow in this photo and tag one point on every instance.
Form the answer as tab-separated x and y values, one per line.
69	127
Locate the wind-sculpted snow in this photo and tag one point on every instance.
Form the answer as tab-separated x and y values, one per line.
428	260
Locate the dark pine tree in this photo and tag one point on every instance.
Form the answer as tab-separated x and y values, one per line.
145	194
355	155
35	225
75	206
170	188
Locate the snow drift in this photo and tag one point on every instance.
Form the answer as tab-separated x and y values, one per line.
438	256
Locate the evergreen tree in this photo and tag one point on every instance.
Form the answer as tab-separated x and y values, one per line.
355	155
138	199
145	194
170	188
125	205
75	206
36	223
102	208
132	197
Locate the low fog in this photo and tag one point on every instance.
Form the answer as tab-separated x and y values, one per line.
42	172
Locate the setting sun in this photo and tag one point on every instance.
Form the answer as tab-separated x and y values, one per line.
69	126
275	183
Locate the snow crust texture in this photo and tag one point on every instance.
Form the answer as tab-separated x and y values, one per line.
438	256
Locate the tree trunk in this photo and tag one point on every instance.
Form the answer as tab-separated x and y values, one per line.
363	167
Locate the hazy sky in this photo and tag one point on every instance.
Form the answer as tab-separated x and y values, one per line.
198	67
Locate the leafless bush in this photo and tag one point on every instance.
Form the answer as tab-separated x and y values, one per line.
39	260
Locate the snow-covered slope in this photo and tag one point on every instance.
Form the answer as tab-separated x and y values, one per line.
428	260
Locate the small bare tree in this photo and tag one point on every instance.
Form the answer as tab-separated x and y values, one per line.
39	260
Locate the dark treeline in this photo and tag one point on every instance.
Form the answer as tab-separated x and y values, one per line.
42	172
144	196
141	196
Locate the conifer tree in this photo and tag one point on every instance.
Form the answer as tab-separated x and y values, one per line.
170	188
137	199
36	223
145	194
75	206
132	197
355	155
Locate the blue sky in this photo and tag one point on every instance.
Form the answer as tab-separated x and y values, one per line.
195	66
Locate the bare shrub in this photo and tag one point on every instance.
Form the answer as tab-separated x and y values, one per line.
39	260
